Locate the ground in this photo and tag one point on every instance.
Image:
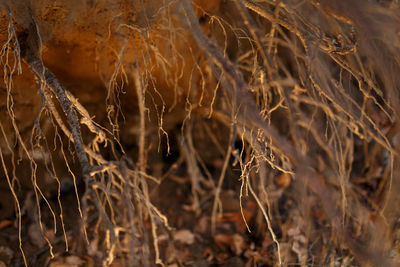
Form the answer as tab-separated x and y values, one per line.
199	133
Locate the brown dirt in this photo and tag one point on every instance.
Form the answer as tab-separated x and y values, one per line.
295	103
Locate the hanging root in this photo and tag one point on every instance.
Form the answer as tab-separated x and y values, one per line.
308	89
126	186
248	117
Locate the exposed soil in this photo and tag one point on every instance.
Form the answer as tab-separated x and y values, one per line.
199	133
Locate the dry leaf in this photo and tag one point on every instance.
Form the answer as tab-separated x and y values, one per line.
202	225
237	219
234	243
223	241
35	235
5	224
61	264
238	244
183	254
283	180
184	236
74	260
208	254
222	257
6	253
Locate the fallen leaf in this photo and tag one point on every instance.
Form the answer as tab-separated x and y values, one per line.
61	264
183	254
6	253
222	257
237	219
238	244
36	236
256	258
283	180
223	241
5	224
89	261
234	243
208	254
235	262
184	236
170	253
202	225
74	260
